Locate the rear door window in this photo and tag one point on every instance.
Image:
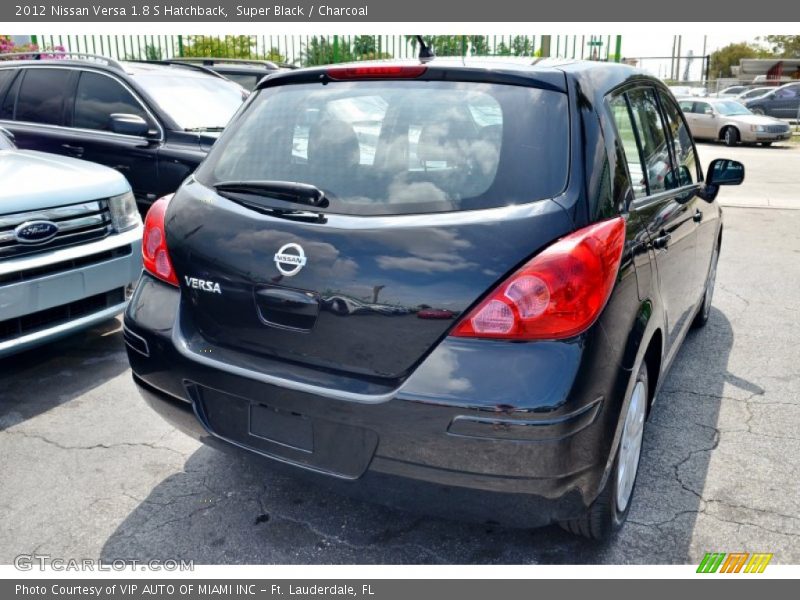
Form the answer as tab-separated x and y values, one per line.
683	149
391	147
42	94
8	93
652	137
703	108
6	75
623	119
98	97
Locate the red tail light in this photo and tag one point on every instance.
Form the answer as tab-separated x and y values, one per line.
155	255
557	294
377	72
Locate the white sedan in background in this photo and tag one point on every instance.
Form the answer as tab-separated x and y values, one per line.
732	122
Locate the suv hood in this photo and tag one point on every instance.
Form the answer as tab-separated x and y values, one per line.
35	180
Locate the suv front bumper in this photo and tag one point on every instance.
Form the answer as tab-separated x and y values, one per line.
53	294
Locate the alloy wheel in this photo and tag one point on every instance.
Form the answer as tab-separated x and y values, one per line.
631	445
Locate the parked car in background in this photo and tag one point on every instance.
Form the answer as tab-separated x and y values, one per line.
246	73
731	92
153	123
731	121
782	102
688	90
70	245
525	206
755	92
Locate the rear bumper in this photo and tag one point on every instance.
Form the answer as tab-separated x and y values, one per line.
514	434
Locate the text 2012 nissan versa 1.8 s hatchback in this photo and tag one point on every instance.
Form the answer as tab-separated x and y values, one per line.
450	284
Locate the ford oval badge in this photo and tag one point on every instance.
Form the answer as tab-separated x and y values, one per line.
35	232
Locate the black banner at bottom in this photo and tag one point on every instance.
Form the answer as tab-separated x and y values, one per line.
387	589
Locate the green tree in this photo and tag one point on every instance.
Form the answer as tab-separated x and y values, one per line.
323	50
230	46
454	45
521	45
319	51
785	46
151	52
723	59
274	55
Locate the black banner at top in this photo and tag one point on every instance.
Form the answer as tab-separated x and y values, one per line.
443	11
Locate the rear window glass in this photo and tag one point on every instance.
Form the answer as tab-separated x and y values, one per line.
401	147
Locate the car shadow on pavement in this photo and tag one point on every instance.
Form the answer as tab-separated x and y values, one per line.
42	378
226	508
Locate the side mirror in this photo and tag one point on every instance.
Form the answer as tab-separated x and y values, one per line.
126	124
724	171
721	171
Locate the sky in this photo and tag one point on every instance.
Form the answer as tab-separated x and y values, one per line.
661	45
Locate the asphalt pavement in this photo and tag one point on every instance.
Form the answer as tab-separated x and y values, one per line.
87	470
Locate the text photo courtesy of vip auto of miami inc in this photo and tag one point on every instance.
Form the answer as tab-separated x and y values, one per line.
281	296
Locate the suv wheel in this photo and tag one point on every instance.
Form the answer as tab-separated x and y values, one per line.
608	512
731	136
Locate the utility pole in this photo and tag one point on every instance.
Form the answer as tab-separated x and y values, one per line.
678	59
672	61
546	40
704	74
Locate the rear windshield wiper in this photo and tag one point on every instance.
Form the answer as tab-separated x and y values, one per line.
283	191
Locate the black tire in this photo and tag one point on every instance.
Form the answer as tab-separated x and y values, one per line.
766	144
701	318
603	519
731	136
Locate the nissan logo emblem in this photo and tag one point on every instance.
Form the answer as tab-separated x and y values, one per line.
290	259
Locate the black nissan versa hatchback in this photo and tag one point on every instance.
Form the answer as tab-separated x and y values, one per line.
447	285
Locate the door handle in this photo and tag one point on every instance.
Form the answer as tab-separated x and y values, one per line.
662	241
74	150
698	216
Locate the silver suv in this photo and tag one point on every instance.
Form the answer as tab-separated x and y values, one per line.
70	245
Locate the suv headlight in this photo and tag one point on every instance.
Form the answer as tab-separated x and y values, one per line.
124	212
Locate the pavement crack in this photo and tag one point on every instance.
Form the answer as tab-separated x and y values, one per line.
99	446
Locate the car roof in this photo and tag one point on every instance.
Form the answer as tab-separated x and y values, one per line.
126	67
